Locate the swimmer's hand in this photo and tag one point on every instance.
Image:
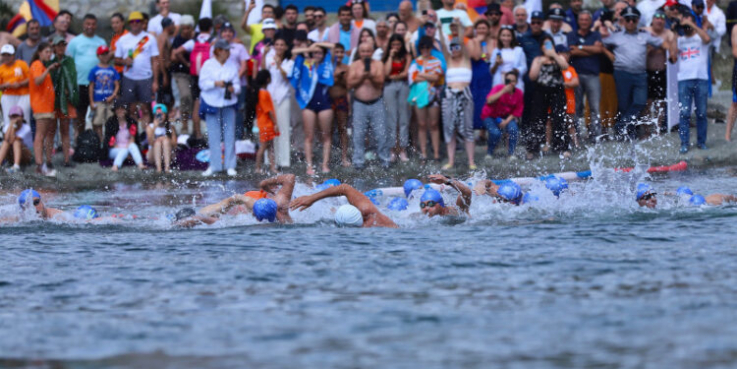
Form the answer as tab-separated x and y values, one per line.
438	179
302	203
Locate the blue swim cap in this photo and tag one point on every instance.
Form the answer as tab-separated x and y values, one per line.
642	190
556	184
265	209
684	190
528	197
697	200
510	191
398	203
27	196
411	185
432	195
86	212
332	182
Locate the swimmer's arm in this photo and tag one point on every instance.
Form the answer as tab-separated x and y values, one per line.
224	206
51	212
9	220
487	187
195	220
464	199
286	181
355	198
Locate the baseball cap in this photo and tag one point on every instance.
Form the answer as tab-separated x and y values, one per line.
135	16
557	14
186	20
166	22
103	50
697	3
7	49
537	15
222	44
15	110
268	23
58	39
493	8
630	12
227	25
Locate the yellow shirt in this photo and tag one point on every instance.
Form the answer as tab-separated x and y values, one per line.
256	36
14	73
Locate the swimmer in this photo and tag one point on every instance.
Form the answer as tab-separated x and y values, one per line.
360	213
432	203
265	204
715	199
645	196
507	192
29	198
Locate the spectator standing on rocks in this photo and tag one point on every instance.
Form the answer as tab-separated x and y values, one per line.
83	49
14	79
693	80
586	48
27	48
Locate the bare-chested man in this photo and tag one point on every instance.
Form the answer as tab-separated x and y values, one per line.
360	213
407	16
366	79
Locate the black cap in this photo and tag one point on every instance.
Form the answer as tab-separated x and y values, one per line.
557	14
537	15
630	12
493	8
166	22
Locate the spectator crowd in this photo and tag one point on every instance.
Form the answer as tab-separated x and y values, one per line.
378	89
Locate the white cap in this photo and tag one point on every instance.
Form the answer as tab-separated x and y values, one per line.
268	23
7	49
348	216
186	20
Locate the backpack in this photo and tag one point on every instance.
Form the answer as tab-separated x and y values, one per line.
199	55
88	147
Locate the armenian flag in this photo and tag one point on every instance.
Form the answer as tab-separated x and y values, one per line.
44	11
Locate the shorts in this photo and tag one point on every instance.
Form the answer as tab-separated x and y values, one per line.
71	113
103	111
656	85
457	114
38	116
133	91
320	99
340	104
195	87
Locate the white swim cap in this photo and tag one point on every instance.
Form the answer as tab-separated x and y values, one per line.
348	216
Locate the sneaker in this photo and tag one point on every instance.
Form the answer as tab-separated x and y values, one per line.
207	173
702	146
14	169
232	172
488	158
684	149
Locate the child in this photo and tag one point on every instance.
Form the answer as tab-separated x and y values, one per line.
266	120
104	87
18	141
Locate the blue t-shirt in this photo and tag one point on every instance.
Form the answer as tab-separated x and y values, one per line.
345	40
585	64
83	50
104	79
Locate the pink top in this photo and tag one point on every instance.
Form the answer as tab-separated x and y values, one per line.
123	137
507	104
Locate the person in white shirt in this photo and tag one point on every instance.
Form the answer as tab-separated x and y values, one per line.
280	89
139	53
718	21
449	12
647	9
360	16
154	24
693	80
220	86
320	33
238	56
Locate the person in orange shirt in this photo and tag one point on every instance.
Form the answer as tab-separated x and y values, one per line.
13	84
42	103
570	82
117	22
265	118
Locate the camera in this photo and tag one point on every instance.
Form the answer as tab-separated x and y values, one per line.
228	94
507	81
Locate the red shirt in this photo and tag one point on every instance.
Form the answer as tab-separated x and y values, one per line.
507	104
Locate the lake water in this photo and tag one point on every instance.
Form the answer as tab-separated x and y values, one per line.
587	280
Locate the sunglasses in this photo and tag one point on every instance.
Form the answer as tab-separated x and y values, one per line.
427	204
318	16
631	19
455	47
662	16
135	21
536	22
